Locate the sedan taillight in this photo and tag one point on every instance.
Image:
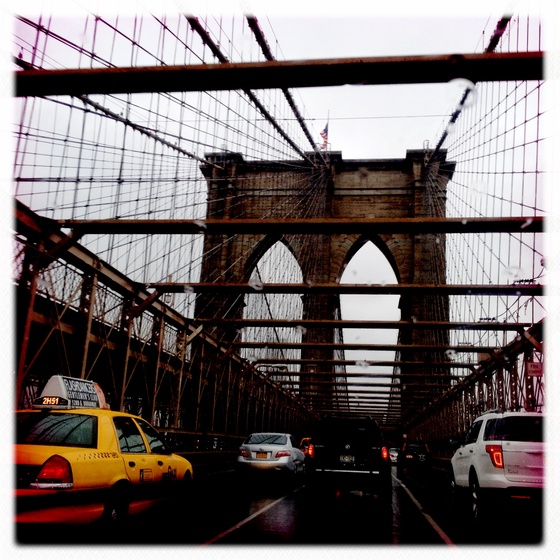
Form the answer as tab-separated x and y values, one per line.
496	455
283	453
56	473
243	452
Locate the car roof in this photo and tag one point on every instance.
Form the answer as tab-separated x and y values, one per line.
86	411
270	433
507	413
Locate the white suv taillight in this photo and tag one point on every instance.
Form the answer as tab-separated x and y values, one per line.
55	474
496	455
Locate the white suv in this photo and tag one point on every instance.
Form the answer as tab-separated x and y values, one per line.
502	456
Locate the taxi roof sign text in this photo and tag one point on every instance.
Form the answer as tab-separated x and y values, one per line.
69	392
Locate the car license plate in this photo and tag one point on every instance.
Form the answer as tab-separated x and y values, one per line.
261	455
347	458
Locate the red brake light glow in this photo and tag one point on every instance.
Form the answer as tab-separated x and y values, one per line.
55	473
385	453
311	450
283	453
496	456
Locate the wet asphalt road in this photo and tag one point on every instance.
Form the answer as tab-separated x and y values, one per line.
224	512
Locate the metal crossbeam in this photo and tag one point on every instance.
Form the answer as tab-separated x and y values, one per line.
528	289
485	67
358	324
532	224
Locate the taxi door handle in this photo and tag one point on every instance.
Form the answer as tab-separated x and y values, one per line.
131	464
160	463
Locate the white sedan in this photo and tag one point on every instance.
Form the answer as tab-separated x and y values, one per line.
270	452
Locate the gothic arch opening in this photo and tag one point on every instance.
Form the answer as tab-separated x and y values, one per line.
368	265
277	265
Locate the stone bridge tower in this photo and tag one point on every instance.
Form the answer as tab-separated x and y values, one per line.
392	188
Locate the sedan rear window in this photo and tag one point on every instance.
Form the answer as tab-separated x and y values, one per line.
269	439
60	429
515	428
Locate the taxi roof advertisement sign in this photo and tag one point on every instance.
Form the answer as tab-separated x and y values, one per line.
80	393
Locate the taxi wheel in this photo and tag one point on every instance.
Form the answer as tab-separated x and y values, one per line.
179	491
116	506
186	486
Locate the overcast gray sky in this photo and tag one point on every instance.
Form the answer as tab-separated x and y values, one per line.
377	122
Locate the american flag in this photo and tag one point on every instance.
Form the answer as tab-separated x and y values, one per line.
325	136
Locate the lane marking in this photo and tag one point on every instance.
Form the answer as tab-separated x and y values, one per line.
428	517
250	518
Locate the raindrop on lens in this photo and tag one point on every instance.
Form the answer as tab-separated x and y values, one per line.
256	284
462	93
513	272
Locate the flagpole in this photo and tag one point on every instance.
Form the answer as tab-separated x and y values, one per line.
325	133
328	120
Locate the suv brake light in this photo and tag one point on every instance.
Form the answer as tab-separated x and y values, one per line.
311	450
56	473
385	453
496	456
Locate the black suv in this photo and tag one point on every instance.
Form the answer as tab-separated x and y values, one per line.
350	454
414	460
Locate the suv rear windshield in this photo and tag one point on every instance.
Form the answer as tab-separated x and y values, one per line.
515	428
415	446
61	429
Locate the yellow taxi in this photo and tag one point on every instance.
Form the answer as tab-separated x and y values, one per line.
77	461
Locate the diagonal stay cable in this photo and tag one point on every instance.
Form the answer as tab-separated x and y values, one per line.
498	32
261	40
207	40
127	122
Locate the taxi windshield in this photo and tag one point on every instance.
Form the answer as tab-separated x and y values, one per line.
62	429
